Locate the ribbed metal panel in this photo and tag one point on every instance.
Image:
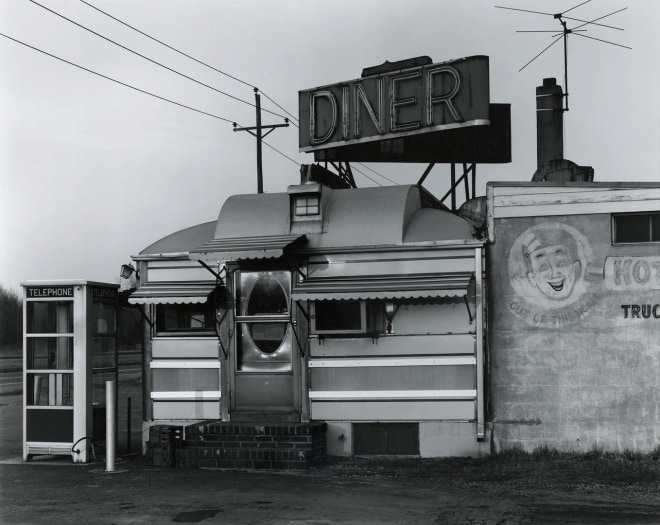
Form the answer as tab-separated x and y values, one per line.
236	249
386	287
172	293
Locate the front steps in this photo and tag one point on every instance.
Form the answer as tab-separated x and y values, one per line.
256	445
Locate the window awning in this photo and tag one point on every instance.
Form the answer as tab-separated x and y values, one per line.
382	287
161	293
245	248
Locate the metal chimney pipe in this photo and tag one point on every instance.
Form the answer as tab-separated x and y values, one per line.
549	122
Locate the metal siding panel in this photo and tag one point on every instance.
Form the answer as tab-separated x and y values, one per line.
184	348
177	275
393	410
193	410
394	378
264	392
451	263
241	248
431	345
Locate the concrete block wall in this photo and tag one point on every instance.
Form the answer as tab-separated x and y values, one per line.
574	373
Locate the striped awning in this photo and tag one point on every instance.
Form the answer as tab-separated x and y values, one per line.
244	248
382	287
180	293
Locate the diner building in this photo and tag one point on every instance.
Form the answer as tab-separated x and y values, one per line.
358	308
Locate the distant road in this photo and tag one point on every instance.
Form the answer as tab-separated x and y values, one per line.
12	382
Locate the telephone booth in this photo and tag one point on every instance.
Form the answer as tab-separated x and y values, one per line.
69	352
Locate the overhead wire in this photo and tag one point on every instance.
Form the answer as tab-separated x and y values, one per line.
353	168
374	171
117	81
138	89
293	118
173	71
151	60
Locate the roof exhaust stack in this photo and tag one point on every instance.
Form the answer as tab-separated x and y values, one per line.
551	164
549	122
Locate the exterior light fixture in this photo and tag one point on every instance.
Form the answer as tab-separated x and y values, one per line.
127	270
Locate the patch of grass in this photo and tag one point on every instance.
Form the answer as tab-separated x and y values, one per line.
547	467
516	471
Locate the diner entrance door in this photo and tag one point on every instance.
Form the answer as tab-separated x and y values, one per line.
264	361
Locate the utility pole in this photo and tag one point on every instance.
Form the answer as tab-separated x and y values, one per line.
257	131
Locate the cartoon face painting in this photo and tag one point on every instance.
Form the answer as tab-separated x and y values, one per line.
552	275
554	271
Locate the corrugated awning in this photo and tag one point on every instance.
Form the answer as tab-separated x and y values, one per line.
382	287
245	248
159	293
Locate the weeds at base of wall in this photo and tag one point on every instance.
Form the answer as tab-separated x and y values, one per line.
547	466
516	471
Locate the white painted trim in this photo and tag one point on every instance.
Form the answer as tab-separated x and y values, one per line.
190	395
405	361
65	334
574	208
49	407
54	444
543	201
185	364
53	371
179	338
51	448
364	395
479	340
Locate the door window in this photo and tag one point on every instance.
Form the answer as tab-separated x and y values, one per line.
262	320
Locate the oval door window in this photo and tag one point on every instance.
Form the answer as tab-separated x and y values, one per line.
267	297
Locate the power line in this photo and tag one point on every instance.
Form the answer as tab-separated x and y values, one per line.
190	57
117	81
374	171
283	154
223	73
140	90
174	71
151	60
368	177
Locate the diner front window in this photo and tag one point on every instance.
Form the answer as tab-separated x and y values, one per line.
185	318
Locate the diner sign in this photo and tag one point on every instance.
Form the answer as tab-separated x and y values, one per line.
395	103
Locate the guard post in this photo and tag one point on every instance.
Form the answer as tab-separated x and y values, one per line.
69	352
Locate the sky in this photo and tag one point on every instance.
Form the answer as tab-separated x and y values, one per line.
92	171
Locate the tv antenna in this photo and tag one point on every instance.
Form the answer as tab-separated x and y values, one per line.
565	31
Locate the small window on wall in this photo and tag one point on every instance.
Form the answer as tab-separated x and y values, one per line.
636	227
338	317
307	206
185	318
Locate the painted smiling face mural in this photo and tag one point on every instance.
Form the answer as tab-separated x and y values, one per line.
547	269
554	266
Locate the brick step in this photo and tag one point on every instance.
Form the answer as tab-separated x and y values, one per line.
252	445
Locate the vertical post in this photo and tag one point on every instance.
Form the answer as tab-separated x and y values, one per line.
453	187
565	64
260	179
128	424
466	181
110	426
479	333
